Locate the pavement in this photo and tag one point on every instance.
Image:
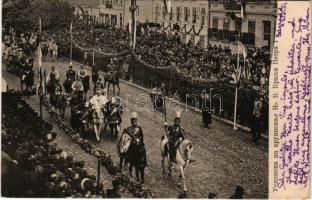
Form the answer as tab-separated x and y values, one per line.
224	158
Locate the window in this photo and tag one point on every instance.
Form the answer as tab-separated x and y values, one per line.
251	26
194	15
186	14
156	12
238	25
171	14
164	12
226	28
215	23
266	27
178	10
120	19
203	13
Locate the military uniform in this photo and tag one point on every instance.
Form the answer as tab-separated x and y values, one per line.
174	133
71	74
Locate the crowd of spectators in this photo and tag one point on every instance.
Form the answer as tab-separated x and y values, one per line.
33	164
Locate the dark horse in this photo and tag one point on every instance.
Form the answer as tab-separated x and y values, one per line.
112	78
86	83
76	104
133	153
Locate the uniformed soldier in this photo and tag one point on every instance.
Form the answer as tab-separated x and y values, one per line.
53	74
256	128
95	74
114	116
176	134
135	131
99	86
82	72
77	85
206	113
70	74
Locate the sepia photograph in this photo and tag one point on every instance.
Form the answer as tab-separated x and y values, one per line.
138	98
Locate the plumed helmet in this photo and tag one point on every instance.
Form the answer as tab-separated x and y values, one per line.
134	115
113	99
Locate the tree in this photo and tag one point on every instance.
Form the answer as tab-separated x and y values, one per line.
23	15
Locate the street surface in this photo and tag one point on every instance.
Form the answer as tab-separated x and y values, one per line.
224	158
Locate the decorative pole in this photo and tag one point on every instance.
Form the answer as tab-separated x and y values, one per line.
236	84
99	171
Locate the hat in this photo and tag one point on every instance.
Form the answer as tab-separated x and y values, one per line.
134	115
70	63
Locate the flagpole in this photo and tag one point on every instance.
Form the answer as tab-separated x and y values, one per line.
236	87
71	41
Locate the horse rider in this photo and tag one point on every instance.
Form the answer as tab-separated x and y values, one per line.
53	74
175	134
99	86
70	73
135	131
95	74
56	93
97	103
114	116
77	85
82	72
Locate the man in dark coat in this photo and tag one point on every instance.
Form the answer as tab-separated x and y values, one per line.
206	113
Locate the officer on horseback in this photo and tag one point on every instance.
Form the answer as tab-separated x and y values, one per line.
53	74
99	86
135	131
175	134
70	74
82	72
114	112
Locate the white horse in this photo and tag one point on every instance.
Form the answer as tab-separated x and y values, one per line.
98	121
182	158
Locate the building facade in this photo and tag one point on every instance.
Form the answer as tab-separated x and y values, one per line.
117	13
188	18
199	22
255	24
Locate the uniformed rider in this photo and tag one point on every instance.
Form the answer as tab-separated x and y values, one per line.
175	134
114	116
53	74
77	85
70	74
82	72
135	131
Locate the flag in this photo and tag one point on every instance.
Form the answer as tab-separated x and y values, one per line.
242	49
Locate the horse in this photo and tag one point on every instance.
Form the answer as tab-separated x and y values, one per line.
112	78
28	80
97	121
67	85
183	157
76	104
86	83
61	103
113	120
134	153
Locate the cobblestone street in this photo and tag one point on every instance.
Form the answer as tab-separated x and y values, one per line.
224	158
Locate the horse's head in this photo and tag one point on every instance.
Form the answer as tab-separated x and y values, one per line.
186	148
